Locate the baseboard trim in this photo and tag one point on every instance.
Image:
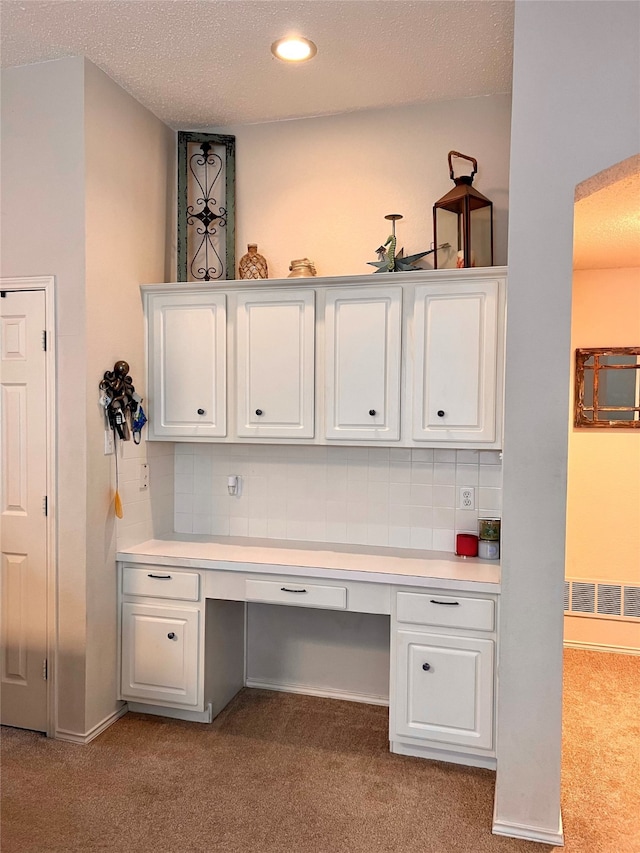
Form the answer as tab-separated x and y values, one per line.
465	758
599	647
528	833
325	693
205	716
75	737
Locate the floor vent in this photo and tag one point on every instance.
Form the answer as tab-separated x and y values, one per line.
604	600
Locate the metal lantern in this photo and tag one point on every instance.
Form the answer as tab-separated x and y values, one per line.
463	224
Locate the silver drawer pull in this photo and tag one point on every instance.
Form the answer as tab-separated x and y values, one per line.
286	589
160	577
446	603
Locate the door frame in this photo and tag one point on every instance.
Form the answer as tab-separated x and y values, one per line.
46	283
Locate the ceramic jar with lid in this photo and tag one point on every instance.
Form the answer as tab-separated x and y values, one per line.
302	268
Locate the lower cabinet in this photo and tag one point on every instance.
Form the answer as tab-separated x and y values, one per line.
181	655
444	689
182	650
442	679
160	650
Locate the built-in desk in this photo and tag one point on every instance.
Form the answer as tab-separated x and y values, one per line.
182	611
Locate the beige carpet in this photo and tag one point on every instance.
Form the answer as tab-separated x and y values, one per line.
279	773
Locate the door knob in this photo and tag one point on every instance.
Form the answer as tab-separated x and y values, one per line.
258	412
426	667
201	411
372	412
440	413
171	635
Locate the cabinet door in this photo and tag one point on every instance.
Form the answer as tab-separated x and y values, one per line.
187	364
455	362
160	647
276	364
363	340
444	689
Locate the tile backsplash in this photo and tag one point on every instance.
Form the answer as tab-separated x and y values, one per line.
147	513
404	498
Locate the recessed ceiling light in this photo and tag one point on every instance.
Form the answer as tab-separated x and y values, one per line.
293	49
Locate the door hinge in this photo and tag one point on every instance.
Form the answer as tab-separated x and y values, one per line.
45	505
45	669
44	340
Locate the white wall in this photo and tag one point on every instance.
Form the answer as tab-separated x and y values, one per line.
320	187
576	100
129	181
42	221
603	498
87	178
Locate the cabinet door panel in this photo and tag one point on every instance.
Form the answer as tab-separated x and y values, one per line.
160	654
276	364
455	362
444	689
363	364
187	365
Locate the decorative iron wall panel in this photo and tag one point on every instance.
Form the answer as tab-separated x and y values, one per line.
206	206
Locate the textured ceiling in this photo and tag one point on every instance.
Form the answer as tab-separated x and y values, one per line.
607	219
207	63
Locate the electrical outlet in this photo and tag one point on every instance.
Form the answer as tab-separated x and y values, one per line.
144	477
467	497
108	442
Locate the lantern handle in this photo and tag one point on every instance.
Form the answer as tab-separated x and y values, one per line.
463	157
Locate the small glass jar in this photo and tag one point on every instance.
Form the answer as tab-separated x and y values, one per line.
489	528
488	549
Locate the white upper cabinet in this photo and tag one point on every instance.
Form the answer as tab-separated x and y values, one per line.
455	361
410	359
275	364
187	364
363	354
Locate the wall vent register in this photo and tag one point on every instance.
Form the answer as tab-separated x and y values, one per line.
605	600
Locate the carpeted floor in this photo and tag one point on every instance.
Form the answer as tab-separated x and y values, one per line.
280	773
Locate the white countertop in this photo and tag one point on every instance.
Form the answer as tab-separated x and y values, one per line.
338	561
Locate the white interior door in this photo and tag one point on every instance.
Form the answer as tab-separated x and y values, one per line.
23	524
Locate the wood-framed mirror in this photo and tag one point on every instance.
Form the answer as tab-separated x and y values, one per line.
607	387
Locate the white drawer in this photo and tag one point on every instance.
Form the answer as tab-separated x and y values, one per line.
450	611
160	582
297	594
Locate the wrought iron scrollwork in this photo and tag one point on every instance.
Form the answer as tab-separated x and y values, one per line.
206	192
205	166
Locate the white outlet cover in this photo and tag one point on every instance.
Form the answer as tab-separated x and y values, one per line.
467	497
